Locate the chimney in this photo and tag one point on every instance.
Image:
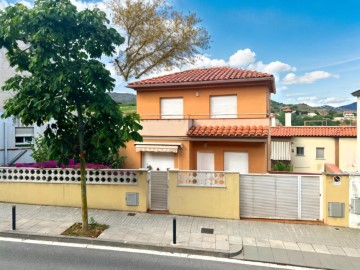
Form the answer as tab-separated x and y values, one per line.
273	120
357	95
288	112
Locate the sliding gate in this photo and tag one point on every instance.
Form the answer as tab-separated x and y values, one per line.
274	196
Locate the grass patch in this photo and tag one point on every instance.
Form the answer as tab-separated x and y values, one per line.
94	230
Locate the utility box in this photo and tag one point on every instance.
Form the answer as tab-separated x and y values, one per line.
132	198
355	206
336	209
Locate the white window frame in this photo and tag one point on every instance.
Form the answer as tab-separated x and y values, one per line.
227	106
175	113
205	152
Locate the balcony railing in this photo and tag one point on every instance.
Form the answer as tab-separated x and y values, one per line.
205	116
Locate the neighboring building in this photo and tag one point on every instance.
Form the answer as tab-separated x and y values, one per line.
307	149
15	138
349	114
204	119
311	114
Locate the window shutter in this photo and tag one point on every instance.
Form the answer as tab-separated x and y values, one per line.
236	162
223	107
172	108
205	161
24	131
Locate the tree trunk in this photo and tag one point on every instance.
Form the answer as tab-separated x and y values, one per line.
84	209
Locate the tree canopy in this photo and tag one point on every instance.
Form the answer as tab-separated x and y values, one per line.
57	49
157	36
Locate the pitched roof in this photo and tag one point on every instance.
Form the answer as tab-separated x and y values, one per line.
228	131
323	131
198	75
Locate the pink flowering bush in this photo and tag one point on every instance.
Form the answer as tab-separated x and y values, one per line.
54	164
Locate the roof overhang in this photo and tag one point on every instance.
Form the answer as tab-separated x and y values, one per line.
157	147
269	81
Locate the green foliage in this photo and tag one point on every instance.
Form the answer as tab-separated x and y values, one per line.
57	49
282	167
92	221
40	150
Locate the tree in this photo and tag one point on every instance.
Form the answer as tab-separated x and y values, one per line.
157	36
62	79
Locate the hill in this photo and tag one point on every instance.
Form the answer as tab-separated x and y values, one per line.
122	97
349	107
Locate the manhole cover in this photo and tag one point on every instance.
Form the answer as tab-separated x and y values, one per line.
131	214
207	230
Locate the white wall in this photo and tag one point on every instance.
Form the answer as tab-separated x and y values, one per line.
354	186
308	162
347	154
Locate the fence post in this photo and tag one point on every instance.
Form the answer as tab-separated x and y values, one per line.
13	217
174	231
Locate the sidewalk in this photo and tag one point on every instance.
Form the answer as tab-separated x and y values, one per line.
294	244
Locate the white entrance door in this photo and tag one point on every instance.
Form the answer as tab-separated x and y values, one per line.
236	162
205	161
158	161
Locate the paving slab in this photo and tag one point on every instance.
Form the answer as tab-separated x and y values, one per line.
295	257
265	254
311	259
280	256
251	253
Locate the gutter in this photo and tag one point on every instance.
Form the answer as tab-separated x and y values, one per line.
5	145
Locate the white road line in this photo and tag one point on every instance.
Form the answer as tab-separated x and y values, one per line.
152	252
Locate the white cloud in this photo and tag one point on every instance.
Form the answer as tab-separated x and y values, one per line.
307	78
319	101
242	58
274	67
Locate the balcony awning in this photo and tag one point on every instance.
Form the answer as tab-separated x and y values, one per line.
158	147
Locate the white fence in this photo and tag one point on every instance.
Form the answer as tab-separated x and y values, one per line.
59	175
201	179
354	193
277	196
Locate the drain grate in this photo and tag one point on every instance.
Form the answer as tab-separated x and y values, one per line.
131	214
207	230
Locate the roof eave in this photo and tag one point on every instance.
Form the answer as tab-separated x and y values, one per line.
271	81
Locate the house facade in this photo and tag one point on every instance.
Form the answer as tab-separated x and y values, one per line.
307	148
15	138
203	119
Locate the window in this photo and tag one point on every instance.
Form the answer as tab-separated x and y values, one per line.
24	136
205	161
223	106
320	153
171	108
299	151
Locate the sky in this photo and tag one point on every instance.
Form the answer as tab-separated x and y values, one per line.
312	47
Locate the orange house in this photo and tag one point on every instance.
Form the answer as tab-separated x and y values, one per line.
213	119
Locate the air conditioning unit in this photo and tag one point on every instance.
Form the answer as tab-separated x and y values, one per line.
336	209
355	206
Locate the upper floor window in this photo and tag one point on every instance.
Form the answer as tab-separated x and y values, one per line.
223	106
320	152
24	136
299	151
172	108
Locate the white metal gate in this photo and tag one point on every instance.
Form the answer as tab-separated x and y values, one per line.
159	190
276	196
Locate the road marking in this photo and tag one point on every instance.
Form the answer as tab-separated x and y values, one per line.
152	252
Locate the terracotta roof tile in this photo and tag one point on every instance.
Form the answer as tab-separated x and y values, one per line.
313	131
228	131
203	75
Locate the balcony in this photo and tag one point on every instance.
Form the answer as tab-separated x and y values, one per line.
178	125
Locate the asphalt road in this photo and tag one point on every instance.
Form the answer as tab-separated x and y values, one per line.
18	256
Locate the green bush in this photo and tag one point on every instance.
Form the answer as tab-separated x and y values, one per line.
282	167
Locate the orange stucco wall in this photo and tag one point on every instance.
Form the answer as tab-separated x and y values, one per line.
257	153
134	159
250	100
185	159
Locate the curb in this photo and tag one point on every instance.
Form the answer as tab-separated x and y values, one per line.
234	249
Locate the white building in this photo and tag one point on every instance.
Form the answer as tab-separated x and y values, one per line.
15	138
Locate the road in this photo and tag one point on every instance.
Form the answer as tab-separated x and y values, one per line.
22	255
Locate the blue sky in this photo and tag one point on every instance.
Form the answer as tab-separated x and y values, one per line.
311	46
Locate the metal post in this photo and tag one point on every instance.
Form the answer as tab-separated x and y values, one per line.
14	218
174	231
